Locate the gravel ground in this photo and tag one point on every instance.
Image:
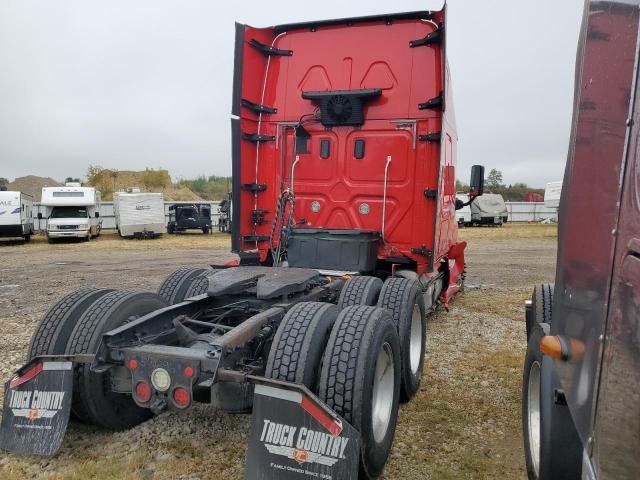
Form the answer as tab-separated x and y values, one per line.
464	423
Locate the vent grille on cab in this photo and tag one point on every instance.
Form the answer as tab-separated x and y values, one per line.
342	107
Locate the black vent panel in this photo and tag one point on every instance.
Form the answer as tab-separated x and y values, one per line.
342	107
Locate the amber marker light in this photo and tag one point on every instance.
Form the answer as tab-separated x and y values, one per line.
562	348
551	346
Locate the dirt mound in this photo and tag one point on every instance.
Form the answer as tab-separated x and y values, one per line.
32	185
110	181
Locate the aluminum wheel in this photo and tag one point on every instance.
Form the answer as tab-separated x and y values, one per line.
382	395
415	345
533	415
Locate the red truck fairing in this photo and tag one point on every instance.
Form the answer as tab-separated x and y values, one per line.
399	163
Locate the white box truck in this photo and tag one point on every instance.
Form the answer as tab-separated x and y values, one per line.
71	211
16	218
139	214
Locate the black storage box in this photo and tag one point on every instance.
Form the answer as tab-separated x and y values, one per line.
344	250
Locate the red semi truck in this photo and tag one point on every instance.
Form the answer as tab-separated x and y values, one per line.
344	204
581	385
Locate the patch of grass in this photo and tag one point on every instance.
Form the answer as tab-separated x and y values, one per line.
510	231
501	302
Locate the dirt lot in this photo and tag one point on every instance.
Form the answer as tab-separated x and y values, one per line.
464	423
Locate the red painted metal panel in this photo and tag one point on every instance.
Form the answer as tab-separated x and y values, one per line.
343	191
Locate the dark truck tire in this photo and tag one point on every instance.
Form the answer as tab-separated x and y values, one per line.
299	344
53	330
360	380
542	306
360	290
200	284
93	401
556	451
402	297
174	288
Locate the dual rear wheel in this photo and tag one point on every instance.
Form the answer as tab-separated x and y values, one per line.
75	325
350	358
361	358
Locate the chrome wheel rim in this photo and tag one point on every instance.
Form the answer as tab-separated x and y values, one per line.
382	395
533	415
415	342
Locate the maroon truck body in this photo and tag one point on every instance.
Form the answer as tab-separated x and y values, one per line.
596	306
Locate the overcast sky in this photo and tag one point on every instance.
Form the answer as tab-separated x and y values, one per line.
135	84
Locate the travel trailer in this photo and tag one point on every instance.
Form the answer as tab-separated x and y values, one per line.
139	214
15	215
71	211
489	209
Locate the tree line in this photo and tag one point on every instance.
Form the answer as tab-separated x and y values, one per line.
494	184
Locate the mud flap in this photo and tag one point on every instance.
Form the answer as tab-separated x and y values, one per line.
294	435
37	402
456	269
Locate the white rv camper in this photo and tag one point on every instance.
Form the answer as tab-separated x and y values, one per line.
139	215
489	209
16	218
463	216
72	211
552	194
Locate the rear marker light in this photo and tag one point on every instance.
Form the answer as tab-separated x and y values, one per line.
143	392
181	397
188	372
160	379
133	364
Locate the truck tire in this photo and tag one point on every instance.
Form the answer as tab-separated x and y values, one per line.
360	380
360	290
174	288
199	285
299	343
403	298
93	401
542	305
552	447
53	330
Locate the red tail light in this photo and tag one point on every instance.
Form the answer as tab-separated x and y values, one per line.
188	372
181	397
143	392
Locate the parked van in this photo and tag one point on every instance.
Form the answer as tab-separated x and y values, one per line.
72	211
139	214
489	209
15	215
